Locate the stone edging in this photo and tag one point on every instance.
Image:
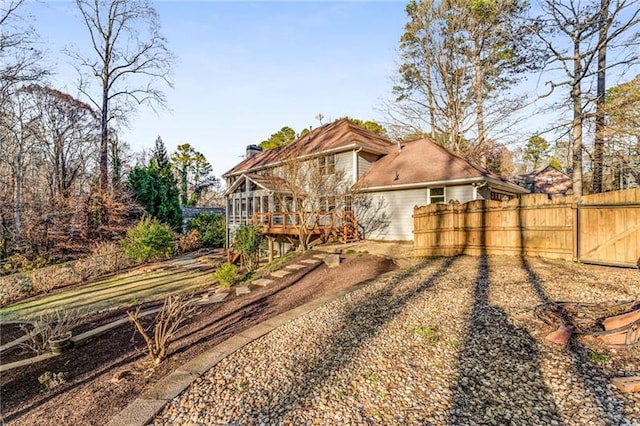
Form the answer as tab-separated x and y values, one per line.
142	410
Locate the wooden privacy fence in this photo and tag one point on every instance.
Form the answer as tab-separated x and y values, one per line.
601	228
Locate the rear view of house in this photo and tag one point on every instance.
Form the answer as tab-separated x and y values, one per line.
343	181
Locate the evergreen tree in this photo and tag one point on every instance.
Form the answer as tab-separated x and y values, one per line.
159	155
536	150
155	189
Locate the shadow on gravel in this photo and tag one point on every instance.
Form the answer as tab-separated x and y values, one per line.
500	380
595	382
362	323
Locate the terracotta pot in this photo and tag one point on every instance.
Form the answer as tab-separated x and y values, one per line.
60	344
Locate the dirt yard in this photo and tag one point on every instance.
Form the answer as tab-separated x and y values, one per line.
107	372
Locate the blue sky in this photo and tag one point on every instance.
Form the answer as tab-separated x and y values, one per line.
245	69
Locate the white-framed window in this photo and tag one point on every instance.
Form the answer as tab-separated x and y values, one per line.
550	180
437	195
327	164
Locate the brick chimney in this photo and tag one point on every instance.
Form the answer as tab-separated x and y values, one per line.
253	150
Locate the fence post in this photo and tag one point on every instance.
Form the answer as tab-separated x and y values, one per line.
576	231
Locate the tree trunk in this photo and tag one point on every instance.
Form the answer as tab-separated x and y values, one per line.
104	138
431	101
17	196
598	145
480	142
576	128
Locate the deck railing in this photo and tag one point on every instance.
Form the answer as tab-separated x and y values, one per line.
343	223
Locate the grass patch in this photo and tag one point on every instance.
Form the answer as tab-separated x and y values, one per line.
427	332
598	357
354	251
373	378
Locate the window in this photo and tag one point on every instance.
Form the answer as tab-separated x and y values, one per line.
348	203
436	195
550	180
327	164
500	196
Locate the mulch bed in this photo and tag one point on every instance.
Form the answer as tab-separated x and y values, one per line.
108	372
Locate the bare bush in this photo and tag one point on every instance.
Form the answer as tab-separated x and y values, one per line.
10	289
86	267
111	255
175	311
48	326
46	279
189	241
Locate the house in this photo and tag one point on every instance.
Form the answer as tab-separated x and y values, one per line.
363	185
547	180
422	172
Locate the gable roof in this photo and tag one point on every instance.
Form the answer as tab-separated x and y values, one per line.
541	170
270	183
423	161
338	136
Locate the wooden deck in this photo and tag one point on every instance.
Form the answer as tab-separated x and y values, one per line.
343	225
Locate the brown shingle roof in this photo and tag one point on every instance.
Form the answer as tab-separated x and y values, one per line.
421	161
330	137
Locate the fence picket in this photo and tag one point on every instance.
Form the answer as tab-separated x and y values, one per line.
599	228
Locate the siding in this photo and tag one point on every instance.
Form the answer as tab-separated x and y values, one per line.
395	209
344	163
365	161
462	193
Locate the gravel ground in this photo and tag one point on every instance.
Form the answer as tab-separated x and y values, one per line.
447	341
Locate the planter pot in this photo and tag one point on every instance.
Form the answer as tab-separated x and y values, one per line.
60	344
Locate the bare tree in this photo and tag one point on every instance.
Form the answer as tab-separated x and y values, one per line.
622	134
318	199
311	188
130	58
456	57
18	118
175	311
573	33
19	58
67	130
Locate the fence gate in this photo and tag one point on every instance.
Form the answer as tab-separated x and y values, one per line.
609	234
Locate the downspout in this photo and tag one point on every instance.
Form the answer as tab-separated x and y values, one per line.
476	187
356	169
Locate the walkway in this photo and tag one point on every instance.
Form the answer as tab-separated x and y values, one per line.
183	274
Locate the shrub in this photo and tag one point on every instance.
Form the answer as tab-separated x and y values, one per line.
227	274
175	311
49	325
20	263
149	239
46	279
10	289
247	241
211	227
189	241
111	256
86	268
52	380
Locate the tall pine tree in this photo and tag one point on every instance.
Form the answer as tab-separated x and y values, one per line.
155	188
